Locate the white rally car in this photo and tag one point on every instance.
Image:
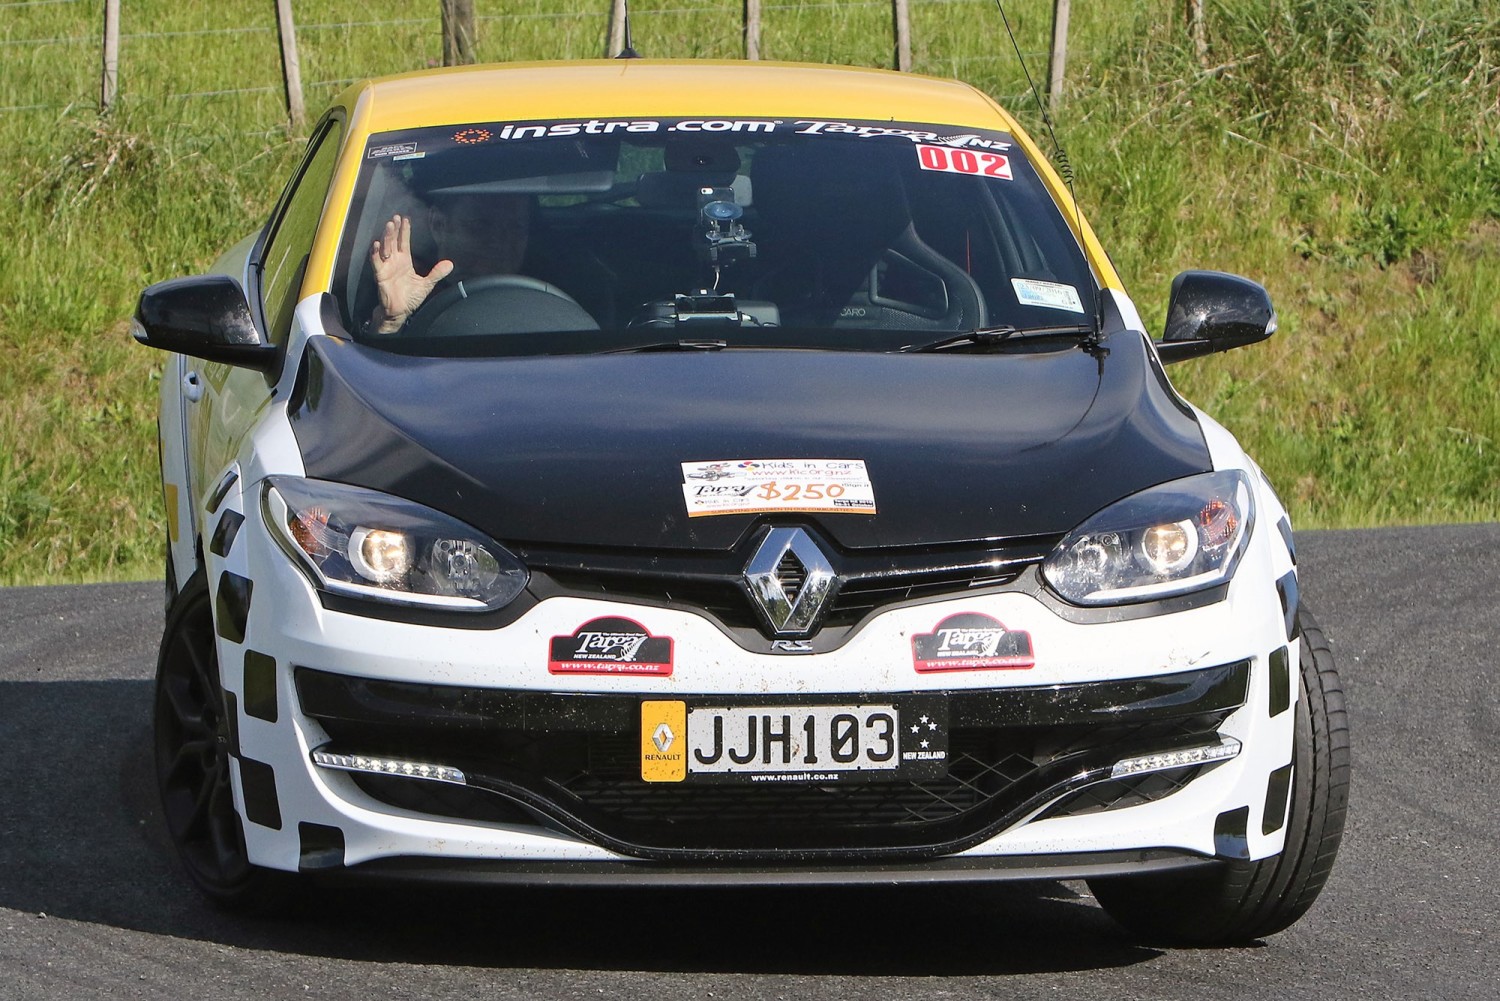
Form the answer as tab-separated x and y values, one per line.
682	472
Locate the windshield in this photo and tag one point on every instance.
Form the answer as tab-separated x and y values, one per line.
545	237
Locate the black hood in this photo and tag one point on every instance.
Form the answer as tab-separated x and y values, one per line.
586	450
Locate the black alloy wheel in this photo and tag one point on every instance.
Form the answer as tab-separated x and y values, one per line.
1239	902
193	763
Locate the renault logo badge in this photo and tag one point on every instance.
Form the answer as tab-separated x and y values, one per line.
790	581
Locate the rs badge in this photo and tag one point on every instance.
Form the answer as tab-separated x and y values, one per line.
663	741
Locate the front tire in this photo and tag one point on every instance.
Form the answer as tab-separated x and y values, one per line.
1238	902
192	749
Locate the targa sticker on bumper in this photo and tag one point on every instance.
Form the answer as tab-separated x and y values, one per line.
971	641
611	646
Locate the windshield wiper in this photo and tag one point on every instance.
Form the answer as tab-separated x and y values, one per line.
681	344
988	336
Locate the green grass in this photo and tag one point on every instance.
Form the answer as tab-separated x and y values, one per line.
1346	154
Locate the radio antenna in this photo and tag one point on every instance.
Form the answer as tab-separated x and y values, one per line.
1064	168
622	11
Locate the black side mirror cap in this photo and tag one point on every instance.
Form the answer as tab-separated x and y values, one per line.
1212	311
206	316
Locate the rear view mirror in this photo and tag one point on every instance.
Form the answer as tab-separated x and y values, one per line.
1212	311
206	316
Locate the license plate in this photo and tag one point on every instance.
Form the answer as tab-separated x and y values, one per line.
900	739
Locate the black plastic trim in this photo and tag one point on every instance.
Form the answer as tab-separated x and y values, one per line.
1276	800
258	781
328	695
1078	865
1286	590
1280	681
1058	779
321	847
232	606
1230	839
260	686
225	533
1285	528
221	490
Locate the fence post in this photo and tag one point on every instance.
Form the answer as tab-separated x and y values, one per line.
458	32
111	76
902	15
616	30
1059	57
291	70
752	29
1198	30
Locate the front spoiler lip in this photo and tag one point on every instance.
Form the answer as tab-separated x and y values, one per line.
1078	865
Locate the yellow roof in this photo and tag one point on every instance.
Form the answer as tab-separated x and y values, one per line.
614	88
645	88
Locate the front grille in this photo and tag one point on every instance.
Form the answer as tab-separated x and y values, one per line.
725	600
573	761
712	582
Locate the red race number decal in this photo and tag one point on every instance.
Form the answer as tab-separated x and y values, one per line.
963	161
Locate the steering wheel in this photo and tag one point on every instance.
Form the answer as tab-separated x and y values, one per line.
498	304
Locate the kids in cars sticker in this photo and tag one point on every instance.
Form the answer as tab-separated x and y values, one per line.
760	486
610	645
971	641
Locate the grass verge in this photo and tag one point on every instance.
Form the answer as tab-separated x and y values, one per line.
1343	153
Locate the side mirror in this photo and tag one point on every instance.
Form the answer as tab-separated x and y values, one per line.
206	316
1212	311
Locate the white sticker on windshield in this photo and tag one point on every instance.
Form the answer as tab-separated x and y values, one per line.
761	486
1051	295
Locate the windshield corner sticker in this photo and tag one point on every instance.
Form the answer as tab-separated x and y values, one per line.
765	486
962	161
971	641
1051	295
610	645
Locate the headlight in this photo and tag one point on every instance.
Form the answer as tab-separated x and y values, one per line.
1177	537
367	544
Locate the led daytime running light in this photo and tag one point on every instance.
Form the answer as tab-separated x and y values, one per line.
389	766
1164	761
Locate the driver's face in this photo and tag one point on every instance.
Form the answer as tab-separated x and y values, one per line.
483	234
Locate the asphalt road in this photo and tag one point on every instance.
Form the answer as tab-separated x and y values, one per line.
92	903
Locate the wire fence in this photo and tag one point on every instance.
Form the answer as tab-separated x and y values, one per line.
93	41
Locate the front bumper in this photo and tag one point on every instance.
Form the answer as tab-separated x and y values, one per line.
554	791
572	763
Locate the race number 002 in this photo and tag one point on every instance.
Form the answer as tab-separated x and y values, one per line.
963	161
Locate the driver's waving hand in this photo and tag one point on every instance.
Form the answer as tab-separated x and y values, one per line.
475	234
